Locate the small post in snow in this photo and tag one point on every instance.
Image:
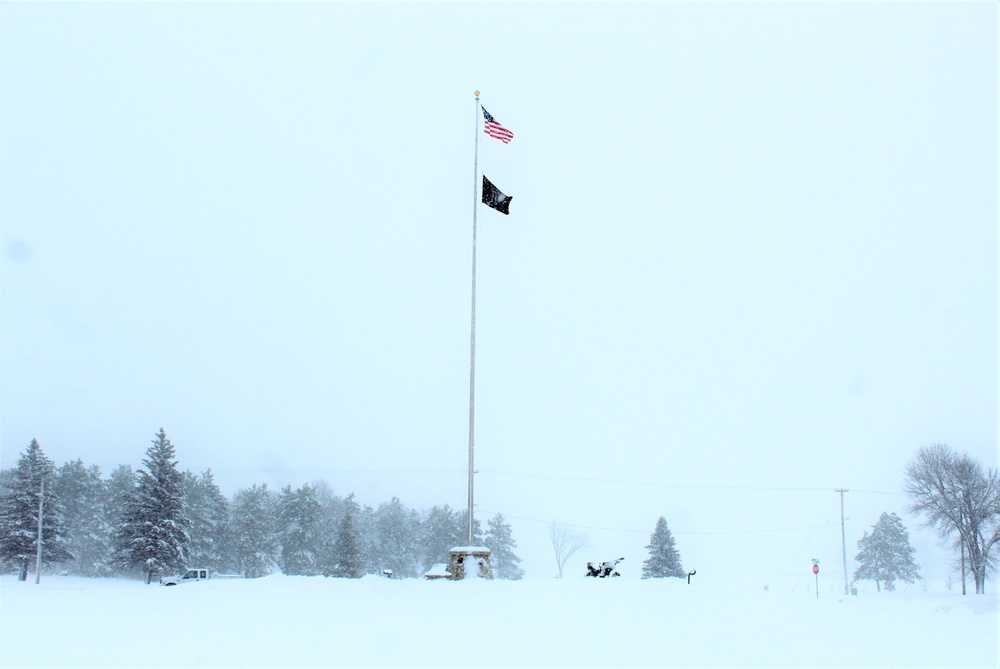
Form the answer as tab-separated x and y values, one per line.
816	573
690	574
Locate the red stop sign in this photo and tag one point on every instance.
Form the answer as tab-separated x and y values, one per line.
815	568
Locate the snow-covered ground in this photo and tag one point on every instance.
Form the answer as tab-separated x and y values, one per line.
284	621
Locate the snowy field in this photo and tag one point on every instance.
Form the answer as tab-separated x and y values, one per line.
283	621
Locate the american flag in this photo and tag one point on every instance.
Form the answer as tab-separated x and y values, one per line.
495	130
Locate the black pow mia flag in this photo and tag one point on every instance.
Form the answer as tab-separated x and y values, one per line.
492	197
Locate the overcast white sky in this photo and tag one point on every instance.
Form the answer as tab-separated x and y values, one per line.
751	246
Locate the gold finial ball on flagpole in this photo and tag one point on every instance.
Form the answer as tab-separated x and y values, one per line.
477	94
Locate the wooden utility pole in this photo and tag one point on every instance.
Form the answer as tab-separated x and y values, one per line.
843	536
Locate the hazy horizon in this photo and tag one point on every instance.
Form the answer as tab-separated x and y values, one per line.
751	257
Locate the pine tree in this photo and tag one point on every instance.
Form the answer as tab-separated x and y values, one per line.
500	540
7	565
153	534
89	532
19	507
365	523
118	491
441	531
301	516
396	530
885	556
462	518
254	536
332	510
346	559
664	559
208	511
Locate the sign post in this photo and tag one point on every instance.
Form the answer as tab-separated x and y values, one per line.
816	574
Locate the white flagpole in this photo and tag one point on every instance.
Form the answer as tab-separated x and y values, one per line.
472	355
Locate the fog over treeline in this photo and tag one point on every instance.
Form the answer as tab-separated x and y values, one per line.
144	522
157	518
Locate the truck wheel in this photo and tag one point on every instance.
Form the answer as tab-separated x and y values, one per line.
170	584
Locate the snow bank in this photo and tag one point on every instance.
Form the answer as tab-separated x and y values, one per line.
284	621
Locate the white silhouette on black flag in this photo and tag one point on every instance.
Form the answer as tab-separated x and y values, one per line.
492	197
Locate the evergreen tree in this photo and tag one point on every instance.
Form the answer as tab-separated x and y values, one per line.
153	534
255	541
462	518
664	559
89	532
500	540
7	565
118	490
208	511
441	531
301	516
346	559
396	539
371	561
332	512
885	556
19	506
6	478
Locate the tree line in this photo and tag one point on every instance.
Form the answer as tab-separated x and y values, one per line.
159	519
950	491
885	555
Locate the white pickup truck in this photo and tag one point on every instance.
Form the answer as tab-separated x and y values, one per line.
189	576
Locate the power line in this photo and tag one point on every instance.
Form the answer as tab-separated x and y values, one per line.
874	492
489	472
282	470
710	533
353	472
663	484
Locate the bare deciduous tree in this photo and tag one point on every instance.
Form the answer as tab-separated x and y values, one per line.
955	494
566	543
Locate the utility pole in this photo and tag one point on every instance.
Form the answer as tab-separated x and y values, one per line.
843	535
38	554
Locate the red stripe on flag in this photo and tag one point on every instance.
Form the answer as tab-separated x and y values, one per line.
497	131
